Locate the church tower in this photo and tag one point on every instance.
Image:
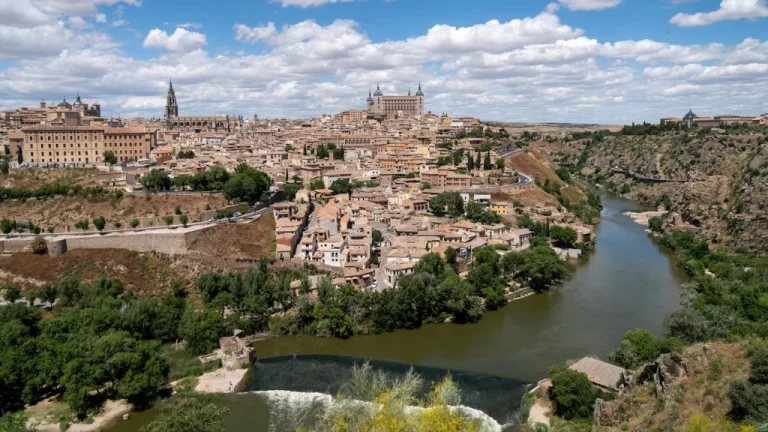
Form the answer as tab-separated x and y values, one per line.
171	108
419	101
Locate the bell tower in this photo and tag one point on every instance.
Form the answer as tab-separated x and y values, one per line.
171	108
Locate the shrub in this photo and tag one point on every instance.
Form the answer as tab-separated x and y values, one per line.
758	369
572	394
39	245
655	224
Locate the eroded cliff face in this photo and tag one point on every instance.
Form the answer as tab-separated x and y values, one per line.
724	195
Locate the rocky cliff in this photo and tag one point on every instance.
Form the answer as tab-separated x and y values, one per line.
720	176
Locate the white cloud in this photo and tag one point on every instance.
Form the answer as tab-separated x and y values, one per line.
100	18
729	10
307	3
119	23
181	41
528	69
190	25
589	5
78	22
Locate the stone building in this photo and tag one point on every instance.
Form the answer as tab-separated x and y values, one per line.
86	144
383	106
173	121
61	114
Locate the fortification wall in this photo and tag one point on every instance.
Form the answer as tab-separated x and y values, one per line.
167	243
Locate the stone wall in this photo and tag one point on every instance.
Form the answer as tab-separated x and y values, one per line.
167	243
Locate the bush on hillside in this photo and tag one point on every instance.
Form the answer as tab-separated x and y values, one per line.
39	245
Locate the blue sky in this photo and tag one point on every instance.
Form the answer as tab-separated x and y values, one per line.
594	61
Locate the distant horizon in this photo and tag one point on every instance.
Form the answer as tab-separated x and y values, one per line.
576	61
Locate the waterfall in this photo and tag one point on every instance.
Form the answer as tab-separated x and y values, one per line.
290	410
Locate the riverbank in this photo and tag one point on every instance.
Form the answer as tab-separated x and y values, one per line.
222	381
643	218
43	417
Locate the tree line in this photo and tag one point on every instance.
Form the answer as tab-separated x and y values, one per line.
247	184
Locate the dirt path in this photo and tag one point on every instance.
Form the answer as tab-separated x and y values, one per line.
540	413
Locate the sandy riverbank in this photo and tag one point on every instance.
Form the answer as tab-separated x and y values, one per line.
112	411
643	217
222	381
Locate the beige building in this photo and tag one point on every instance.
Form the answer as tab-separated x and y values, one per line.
86	144
446	179
407	106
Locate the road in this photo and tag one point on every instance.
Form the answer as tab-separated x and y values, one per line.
513	152
246	217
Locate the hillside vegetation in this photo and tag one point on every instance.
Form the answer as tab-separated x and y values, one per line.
724	195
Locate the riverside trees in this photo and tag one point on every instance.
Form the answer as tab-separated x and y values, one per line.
99	344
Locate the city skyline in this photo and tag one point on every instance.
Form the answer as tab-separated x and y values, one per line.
579	61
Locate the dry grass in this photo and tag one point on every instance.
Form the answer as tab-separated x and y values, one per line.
63	212
253	240
33	178
532	164
144	273
702	391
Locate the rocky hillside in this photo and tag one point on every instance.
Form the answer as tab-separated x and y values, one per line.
723	191
678	391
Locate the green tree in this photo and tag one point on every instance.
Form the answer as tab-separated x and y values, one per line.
487	161
168	220
563	236
564	174
572	394
109	157
12	293
470	162
4	165
431	263
201	329
447	203
656	224
451	257
100	223
48	294
290	190
184	219
19	156
6	226
543	268
156	180
758	368
512	263
118	225
134	223
317	184
500	164
82	224
376	236
341	186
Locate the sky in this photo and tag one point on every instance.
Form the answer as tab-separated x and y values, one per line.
577	61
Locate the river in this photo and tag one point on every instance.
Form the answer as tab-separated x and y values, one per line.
627	282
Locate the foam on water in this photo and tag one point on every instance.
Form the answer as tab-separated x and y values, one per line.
291	409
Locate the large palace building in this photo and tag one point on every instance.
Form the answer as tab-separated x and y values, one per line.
195	124
399	106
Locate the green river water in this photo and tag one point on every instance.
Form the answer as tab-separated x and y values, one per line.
628	282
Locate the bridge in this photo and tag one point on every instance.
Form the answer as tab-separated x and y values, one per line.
643	178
